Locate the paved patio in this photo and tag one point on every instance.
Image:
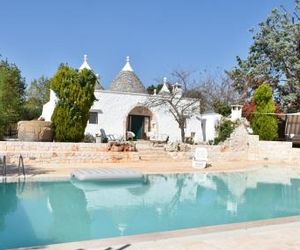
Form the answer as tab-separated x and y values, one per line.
64	170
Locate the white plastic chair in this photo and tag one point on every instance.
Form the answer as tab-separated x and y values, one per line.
130	135
200	158
159	139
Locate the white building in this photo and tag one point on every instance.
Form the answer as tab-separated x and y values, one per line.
122	108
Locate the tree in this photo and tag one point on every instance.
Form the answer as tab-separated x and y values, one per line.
75	90
274	57
12	89
196	95
36	96
214	91
217	93
224	130
264	122
222	108
248	110
177	103
151	88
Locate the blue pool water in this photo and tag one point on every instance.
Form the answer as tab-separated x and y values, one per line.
40	213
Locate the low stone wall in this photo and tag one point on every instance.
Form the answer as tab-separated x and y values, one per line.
272	150
51	152
243	147
215	153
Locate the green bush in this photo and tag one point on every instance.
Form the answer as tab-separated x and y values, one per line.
89	138
12	87
263	123
2	128
224	130
222	108
75	90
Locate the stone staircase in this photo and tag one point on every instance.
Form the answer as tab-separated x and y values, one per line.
148	152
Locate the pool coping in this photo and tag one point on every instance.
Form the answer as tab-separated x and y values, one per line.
203	232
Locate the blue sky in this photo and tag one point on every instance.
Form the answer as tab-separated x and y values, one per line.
158	35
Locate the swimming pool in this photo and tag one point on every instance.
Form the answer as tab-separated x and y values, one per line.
40	213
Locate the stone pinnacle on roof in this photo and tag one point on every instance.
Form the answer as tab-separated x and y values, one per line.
85	64
127	80
177	90
127	66
164	89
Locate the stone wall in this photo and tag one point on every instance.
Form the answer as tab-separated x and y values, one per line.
216	153
242	146
51	152
258	150
272	150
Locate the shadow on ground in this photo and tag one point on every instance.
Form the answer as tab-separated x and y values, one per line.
13	170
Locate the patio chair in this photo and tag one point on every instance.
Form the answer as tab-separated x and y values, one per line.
296	141
130	135
106	138
159	139
200	158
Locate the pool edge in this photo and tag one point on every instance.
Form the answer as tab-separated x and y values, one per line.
181	233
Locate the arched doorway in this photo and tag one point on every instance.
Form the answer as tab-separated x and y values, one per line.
139	121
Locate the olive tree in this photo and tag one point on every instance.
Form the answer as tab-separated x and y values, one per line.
180	103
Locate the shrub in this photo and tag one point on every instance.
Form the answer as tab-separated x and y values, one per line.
224	130
263	123
248	110
2	127
222	108
75	90
88	138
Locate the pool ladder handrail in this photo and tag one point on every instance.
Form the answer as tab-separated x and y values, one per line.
3	161
20	165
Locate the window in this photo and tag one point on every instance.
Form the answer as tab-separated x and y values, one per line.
93	118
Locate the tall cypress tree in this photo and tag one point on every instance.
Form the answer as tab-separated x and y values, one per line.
263	123
75	90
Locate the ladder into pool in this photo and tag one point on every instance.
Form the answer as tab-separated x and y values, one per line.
21	165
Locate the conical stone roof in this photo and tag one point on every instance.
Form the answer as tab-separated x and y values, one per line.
127	81
98	85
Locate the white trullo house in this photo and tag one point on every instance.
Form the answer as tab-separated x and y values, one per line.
122	108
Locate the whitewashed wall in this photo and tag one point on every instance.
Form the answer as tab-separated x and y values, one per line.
49	107
114	107
212	120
